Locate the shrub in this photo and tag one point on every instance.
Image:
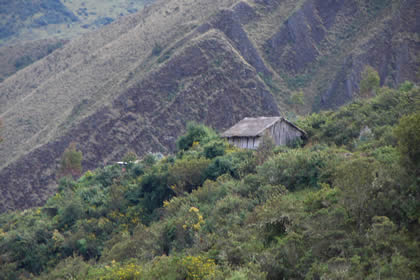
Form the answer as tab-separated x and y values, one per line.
70	213
182	268
220	166
71	162
408	135
107	175
195	133
157	49
265	149
214	149
150	193
128	271
295	169
370	81
187	174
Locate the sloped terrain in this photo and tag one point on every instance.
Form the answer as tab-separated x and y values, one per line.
134	84
18	15
16	57
31	30
22	21
214	211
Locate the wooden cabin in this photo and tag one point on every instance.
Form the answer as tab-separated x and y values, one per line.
248	132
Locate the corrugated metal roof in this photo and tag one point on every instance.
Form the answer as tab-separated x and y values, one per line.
253	127
250	127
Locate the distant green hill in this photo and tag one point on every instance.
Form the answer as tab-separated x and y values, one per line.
22	21
29	30
15	16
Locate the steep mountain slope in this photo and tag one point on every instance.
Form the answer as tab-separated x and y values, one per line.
135	83
22	21
16	57
31	30
20	16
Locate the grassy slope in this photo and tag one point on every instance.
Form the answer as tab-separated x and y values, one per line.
16	57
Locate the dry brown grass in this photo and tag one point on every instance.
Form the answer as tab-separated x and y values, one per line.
15	57
37	100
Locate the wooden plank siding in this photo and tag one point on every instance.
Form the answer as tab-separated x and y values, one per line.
245	142
282	132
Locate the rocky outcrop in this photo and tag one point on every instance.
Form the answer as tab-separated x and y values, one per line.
393	50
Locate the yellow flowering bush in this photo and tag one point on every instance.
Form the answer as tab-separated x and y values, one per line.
194	220
58	238
195	144
117	271
89	174
199	267
187	267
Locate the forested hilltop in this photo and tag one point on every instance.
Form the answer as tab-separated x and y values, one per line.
345	204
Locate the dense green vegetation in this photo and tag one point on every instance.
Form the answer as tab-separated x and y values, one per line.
345	205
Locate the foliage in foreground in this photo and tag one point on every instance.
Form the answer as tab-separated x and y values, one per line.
344	206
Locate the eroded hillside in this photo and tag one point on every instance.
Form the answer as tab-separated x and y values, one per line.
134	84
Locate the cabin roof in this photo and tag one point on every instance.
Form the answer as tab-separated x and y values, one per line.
253	127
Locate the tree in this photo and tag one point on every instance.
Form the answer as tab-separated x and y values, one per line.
370	82
71	162
298	100
408	135
187	174
195	133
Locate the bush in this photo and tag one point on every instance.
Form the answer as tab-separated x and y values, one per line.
115	270
296	169
71	162
214	149
107	175
408	135
150	193
157	49
195	133
70	213
370	82
183	268
187	174
220	166
70	268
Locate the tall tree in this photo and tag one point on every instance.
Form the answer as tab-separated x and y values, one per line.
408	135
297	99
71	162
370	82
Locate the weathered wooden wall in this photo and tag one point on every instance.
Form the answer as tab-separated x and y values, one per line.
281	132
245	142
